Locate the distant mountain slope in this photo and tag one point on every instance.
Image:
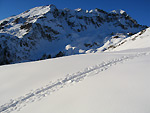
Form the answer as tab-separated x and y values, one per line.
139	40
47	32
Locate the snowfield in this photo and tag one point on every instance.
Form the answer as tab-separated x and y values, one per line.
111	82
111	74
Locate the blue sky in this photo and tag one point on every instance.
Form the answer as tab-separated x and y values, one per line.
137	9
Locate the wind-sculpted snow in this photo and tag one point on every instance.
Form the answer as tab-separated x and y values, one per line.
40	93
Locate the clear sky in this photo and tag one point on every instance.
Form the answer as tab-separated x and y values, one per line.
137	9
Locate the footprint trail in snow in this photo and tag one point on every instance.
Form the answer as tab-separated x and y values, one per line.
38	94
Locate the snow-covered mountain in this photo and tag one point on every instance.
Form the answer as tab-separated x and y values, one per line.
46	32
115	81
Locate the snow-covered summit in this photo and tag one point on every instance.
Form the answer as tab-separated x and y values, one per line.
119	11
45	32
38	11
78	9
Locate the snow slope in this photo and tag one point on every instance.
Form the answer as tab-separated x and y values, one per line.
139	40
113	82
121	89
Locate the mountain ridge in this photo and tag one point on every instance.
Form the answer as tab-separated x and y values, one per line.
47	32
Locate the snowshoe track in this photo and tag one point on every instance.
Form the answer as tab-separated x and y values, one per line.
38	94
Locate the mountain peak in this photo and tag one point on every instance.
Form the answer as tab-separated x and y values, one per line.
37	11
78	9
119	11
52	7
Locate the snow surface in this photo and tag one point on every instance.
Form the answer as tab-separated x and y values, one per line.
113	82
139	40
122	89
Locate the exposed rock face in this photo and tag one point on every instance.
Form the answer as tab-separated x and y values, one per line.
47	32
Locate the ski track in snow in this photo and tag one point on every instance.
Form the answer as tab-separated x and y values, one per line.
38	94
